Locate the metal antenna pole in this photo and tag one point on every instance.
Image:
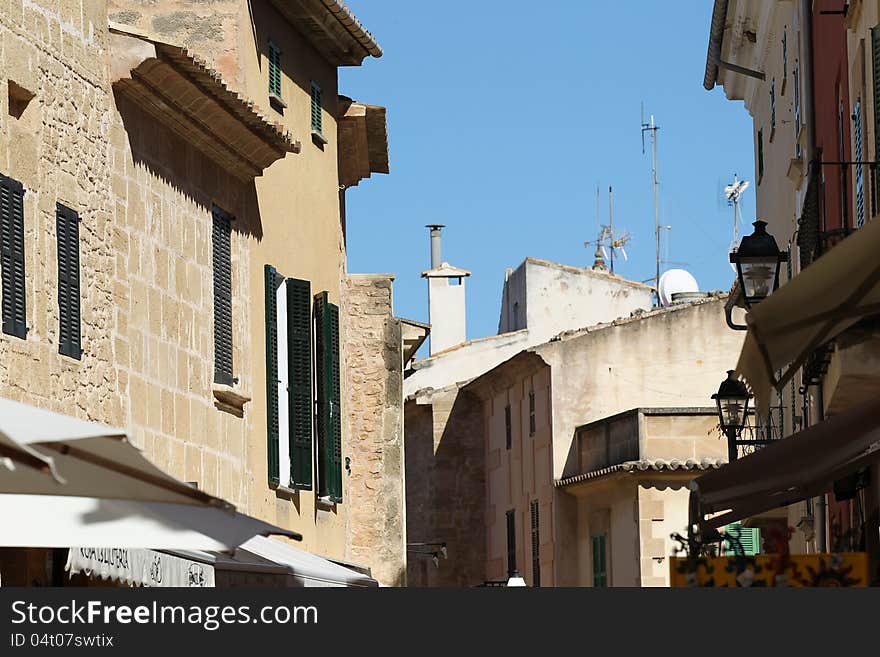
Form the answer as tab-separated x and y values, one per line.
653	128
735	215
611	226
656	204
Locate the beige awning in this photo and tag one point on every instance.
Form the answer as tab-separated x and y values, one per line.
792	469
825	299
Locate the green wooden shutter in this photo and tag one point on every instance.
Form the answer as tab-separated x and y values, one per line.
531	412
536	544
299	354
600	571
749	538
317	119
12	257
760	154
329	420
67	229
511	542
859	153
272	448
274	70
875	172
222	262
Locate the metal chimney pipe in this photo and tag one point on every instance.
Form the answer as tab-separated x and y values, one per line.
436	259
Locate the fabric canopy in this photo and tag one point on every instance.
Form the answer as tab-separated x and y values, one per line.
791	469
308	568
139	567
825	299
71	482
61	521
85	459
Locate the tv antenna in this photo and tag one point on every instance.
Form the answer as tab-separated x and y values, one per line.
733	192
653	128
606	242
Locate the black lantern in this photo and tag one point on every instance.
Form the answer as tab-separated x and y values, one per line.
757	263
732	399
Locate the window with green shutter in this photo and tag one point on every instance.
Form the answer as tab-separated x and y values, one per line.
536	543
531	412
772	107
508	429
749	538
222	265
760	155
859	168
67	229
329	420
875	173
299	354
272	428
274	70
511	543
12	257
600	566
317	119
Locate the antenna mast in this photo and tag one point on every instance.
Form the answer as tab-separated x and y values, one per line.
652	128
611	226
733	192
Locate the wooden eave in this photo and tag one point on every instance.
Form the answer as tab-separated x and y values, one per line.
182	92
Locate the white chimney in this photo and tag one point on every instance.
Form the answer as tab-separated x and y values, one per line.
446	298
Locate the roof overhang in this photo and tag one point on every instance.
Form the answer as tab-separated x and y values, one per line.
332	28
414	335
187	96
736	46
660	473
363	141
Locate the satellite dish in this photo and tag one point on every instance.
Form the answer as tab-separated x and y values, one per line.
673	281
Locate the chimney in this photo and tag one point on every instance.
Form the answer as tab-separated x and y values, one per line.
436	259
446	298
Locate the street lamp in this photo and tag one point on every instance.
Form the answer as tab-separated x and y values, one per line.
732	399
757	262
516	579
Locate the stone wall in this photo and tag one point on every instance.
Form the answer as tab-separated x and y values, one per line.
54	54
446	486
164	189
373	369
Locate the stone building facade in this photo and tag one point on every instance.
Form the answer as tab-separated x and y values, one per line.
487	456
149	120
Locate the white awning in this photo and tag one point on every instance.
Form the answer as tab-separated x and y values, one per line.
60	520
139	567
825	299
65	481
308	569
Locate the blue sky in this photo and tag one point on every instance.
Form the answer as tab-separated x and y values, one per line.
502	120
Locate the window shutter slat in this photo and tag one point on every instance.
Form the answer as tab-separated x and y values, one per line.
317	118
299	328
511	542
67	223
272	441
536	544
12	260
329	420
875	171
222	261
274	70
